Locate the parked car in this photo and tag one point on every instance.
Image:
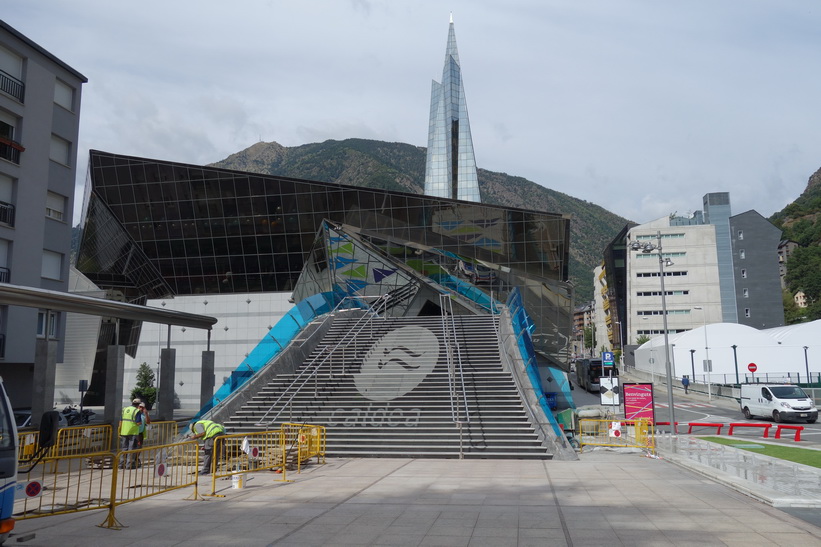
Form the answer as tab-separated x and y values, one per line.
23	418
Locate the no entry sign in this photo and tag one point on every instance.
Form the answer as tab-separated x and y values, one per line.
752	367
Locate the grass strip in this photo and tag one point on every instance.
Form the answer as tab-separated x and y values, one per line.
803	456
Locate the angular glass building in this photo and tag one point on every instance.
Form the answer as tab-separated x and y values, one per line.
450	169
161	230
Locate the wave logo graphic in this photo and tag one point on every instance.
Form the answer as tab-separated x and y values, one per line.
397	363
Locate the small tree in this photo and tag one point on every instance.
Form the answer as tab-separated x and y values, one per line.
643	339
145	389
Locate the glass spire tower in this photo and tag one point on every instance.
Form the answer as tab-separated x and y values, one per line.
450	169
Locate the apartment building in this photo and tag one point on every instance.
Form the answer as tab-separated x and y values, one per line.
39	126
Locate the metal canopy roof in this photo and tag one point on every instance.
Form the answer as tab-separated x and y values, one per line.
31	297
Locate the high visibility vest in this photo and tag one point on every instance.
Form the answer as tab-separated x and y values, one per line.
211	429
130	425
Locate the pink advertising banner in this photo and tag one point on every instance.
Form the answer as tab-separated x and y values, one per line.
638	401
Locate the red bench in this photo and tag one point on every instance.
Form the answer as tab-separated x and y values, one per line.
798	429
705	424
765	426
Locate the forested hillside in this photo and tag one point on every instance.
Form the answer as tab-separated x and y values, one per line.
800	223
401	167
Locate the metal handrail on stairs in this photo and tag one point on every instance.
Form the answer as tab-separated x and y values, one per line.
315	365
458	401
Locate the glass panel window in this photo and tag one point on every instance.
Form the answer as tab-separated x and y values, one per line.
64	95
7	125
41	324
742	254
55	206
60	150
52	265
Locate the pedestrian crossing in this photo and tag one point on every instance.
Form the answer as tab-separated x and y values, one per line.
686	405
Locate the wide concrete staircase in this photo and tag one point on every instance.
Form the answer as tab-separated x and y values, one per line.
414	406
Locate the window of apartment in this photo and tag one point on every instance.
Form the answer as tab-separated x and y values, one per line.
742	254
5	273
64	95
55	206
746	312
8	124
744	274
60	150
9	148
11	74
740	235
52	265
6	200
745	293
41	324
678	254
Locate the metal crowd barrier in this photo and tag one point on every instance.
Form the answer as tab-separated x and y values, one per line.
71	441
79	475
27	443
159	433
242	453
84	439
304	441
617	433
157	469
69	484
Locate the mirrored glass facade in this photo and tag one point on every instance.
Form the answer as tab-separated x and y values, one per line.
450	169
154	229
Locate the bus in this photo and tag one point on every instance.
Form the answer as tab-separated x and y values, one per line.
8	464
588	372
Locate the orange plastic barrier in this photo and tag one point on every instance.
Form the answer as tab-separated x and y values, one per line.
798	429
765	426
705	424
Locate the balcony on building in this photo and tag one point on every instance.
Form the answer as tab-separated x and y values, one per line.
12	86
6	213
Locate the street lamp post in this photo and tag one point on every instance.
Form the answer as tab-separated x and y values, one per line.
693	363
649	248
708	366
807	364
735	360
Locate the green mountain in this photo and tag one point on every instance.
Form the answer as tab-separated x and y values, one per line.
801	222
401	167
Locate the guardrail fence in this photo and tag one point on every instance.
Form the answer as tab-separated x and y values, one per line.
617	433
80	473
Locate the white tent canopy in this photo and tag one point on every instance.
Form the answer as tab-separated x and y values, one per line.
779	353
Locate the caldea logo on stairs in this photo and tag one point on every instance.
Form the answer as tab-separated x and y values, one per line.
397	363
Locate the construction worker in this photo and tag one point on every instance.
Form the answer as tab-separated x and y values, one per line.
130	431
208	431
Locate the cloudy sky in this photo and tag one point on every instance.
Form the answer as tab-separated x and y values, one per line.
639	106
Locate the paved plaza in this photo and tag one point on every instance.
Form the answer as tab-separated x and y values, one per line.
606	498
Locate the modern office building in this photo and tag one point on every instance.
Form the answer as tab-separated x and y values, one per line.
245	248
722	269
450	169
39	125
756	279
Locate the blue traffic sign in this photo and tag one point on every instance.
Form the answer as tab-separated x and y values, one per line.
607	358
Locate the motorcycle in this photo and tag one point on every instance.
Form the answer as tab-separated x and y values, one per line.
74	417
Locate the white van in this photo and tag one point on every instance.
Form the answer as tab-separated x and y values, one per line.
779	402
